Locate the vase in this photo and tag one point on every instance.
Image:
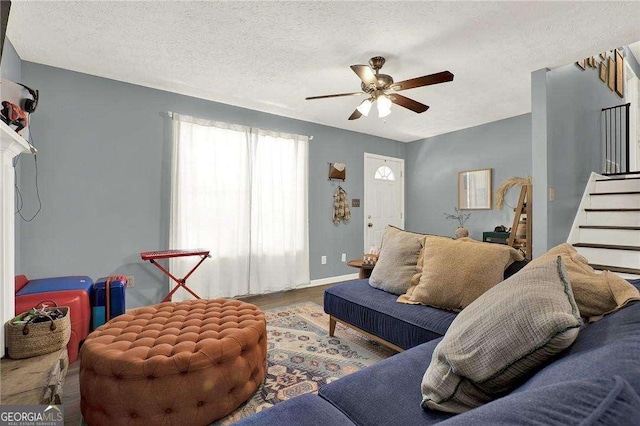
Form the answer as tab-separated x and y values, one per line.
462	232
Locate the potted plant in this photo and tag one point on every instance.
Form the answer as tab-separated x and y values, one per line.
461	217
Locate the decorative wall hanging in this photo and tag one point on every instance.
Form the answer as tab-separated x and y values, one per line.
603	72
337	171
474	190
610	69
619	74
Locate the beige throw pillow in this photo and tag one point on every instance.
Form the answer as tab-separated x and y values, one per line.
415	280
501	338
457	272
397	262
596	293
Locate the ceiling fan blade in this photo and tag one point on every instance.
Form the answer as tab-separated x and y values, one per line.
440	77
356	114
366	74
405	102
334	96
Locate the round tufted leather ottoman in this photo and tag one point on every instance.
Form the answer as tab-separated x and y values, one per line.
185	363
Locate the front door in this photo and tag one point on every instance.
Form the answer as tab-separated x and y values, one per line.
383	196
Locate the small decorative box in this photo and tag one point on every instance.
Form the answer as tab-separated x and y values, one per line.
369	259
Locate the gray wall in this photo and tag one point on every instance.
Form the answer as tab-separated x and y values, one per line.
11	69
539	160
11	65
104	171
104	179
633	61
574	102
432	167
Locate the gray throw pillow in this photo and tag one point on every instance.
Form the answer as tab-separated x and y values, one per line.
397	262
501	338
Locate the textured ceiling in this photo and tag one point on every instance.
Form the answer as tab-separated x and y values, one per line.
269	56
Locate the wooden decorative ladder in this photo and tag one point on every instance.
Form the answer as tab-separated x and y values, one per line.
523	208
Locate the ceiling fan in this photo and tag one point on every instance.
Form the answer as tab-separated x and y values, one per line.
381	89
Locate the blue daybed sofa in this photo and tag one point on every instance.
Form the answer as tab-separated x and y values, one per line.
595	381
376	313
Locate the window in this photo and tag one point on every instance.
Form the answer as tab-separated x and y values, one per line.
384	173
241	193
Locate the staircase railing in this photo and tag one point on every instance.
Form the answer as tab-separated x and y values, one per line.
615	139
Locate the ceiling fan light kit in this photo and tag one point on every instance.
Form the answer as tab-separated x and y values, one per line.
381	89
365	107
384	106
383	112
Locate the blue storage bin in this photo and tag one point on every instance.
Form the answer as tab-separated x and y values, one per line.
44	285
99	299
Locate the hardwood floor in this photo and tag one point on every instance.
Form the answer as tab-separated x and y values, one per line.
71	394
289	297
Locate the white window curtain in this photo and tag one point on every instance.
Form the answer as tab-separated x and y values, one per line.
241	193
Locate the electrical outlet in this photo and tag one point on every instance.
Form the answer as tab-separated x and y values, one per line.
323	260
130	281
344	257
552	193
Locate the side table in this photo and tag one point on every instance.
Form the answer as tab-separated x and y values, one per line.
365	270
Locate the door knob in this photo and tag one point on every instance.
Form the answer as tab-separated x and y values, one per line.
370	225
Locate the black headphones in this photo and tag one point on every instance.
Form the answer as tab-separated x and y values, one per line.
30	105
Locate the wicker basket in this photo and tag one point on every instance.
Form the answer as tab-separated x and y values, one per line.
25	340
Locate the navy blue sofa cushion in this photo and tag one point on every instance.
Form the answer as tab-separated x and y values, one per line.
388	392
597	374
377	312
603	349
584	402
307	410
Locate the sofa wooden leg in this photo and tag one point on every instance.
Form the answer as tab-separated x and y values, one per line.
332	326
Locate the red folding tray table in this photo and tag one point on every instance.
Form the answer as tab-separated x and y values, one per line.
152	256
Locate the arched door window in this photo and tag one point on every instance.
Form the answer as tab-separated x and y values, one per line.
384	173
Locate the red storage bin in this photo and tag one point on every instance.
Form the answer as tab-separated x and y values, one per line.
79	305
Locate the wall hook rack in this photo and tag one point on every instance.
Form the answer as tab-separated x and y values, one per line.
337	171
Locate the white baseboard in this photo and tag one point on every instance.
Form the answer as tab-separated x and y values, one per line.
331	280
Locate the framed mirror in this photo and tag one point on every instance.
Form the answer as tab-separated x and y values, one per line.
474	189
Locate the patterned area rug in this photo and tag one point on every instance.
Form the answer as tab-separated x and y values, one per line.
301	356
